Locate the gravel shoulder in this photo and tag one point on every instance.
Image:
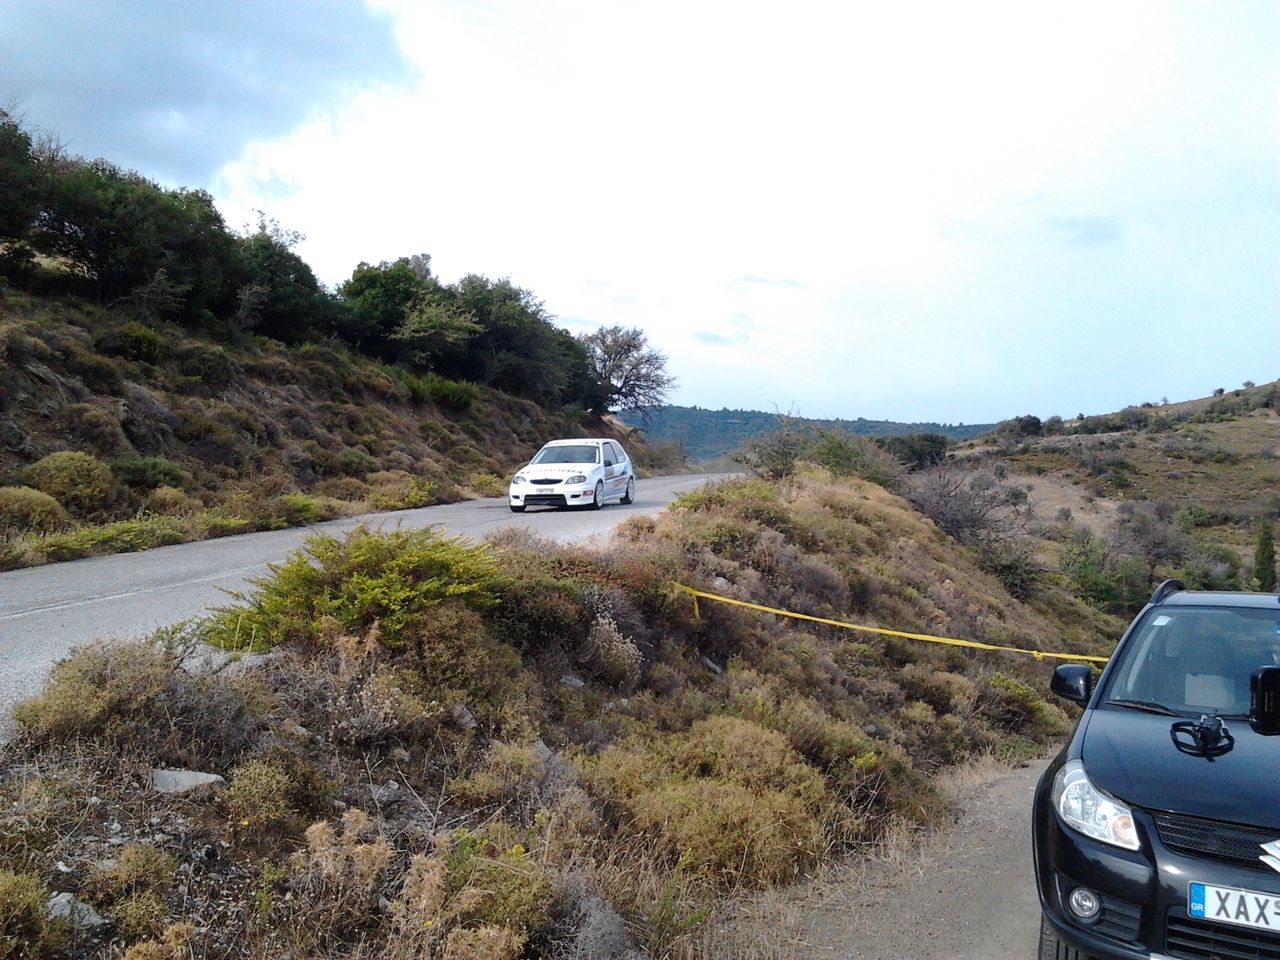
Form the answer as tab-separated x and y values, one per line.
965	892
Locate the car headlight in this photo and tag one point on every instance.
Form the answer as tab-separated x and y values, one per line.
1084	807
517	479
577	478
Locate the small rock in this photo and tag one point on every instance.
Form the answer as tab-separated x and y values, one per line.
64	906
339	805
464	717
386	794
94	801
63	868
569	680
711	665
117	841
541	750
720	583
114	826
160	838
182	781
298	730
399	754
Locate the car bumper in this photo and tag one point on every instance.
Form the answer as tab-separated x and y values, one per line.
561	496
1144	896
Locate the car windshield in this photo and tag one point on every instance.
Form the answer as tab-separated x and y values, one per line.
569	453
1197	659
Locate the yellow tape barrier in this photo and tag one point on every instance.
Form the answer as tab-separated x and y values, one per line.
928	638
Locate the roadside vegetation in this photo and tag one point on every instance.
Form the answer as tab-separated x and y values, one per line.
522	749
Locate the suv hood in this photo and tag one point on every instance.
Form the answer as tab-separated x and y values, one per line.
1131	756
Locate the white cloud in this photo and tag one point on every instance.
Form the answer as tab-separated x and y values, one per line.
932	191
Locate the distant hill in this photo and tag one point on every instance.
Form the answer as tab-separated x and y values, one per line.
707	434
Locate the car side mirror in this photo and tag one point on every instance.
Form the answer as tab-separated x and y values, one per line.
1264	700
608	463
1073	681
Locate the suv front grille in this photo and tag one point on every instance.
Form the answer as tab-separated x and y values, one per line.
1190	939
1211	838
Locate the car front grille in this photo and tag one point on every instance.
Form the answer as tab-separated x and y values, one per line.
547	482
1211	838
1190	939
1119	919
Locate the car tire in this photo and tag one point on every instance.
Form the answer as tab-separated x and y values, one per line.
597	497
629	495
515	509
1051	948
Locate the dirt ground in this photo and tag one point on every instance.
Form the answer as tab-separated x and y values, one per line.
964	893
1049	494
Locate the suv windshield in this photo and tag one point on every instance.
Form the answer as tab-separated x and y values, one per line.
570	453
1197	659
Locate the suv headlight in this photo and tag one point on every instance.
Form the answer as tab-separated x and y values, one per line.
577	478
1084	807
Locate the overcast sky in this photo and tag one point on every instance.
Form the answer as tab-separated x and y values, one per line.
908	211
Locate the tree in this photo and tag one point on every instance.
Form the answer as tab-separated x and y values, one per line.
17	179
634	373
382	298
1264	557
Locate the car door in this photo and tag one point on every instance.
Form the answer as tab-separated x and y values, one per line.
615	470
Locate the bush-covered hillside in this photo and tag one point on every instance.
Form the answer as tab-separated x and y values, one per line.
708	434
118	434
523	749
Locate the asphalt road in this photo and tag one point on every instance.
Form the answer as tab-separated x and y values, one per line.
45	612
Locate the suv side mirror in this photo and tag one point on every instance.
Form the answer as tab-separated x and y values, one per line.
1264	700
1073	681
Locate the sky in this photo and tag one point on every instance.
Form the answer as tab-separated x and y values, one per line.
910	211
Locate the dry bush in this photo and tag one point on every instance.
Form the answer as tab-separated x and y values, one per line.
735	798
172	945
339	876
25	509
512	776
137	697
611	657
132	887
84	485
25	929
170	502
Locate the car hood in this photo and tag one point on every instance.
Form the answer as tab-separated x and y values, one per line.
557	469
1132	756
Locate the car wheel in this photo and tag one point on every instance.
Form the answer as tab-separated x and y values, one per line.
1051	948
597	496
515	509
630	495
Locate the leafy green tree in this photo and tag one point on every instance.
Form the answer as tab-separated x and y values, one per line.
18	179
917	450
1264	557
434	333
635	373
293	305
382	297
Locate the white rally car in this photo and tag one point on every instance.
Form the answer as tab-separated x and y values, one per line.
574	473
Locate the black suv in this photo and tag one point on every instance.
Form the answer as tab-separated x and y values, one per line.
1157	828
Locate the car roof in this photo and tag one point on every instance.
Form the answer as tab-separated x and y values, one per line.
1219	598
569	443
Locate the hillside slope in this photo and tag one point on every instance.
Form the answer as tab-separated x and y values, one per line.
708	434
181	436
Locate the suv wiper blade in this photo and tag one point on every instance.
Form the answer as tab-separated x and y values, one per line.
1150	706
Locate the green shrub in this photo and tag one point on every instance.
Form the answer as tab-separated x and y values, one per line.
386	578
94	428
295	510
260	796
450	394
25	928
136	341
132	887
24	509
123	536
355	462
81	483
210	365
147	473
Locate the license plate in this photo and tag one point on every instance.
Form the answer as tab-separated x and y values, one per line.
543	490
1245	908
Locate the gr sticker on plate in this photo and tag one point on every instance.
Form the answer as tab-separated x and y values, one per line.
1245	908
